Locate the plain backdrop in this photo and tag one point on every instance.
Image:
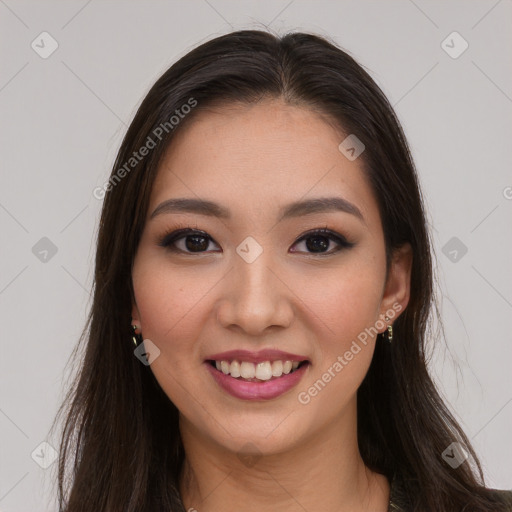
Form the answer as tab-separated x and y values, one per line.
63	117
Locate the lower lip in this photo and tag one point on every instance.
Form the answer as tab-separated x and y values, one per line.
265	390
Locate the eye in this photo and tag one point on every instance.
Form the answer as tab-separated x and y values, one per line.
190	241
187	241
319	240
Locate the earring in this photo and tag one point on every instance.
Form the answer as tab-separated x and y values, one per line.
390	329
136	337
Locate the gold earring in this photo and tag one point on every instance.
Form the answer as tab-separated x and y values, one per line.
390	329
137	338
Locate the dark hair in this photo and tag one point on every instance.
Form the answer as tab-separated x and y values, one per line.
120	434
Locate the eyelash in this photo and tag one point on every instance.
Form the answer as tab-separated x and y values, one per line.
172	237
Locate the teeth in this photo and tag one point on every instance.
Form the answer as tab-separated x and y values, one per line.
235	369
247	370
262	371
277	368
224	366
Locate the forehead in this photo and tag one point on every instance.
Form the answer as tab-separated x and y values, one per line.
258	155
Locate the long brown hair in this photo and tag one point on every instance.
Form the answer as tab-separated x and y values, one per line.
120	448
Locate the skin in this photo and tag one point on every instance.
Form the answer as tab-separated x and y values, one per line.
253	160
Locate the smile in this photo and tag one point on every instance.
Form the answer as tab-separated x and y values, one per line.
262	375
256	372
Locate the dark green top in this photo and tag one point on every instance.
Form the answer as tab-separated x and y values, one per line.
399	502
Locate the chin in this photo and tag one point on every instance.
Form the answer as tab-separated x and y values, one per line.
259	434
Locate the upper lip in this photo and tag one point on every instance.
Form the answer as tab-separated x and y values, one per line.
256	357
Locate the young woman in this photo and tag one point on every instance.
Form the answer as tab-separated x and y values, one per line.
263	288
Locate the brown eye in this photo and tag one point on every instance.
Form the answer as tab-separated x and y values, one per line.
187	241
319	241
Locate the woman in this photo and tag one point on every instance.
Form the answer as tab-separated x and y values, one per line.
263	243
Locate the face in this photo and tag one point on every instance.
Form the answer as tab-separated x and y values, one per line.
254	271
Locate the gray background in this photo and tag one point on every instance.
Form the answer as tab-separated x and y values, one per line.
63	118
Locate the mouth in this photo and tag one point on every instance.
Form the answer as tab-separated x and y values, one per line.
263	376
263	371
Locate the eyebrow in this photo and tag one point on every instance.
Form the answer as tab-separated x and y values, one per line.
295	209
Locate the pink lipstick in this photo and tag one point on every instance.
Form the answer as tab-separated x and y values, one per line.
262	375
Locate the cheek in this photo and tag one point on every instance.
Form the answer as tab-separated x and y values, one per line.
172	304
172	307
342	302
343	310
343	355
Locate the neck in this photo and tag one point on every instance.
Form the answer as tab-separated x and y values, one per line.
324	472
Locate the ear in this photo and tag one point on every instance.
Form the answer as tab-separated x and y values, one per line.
397	289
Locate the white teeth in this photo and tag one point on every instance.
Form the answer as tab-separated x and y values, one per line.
262	371
247	370
287	367
235	369
224	366
277	368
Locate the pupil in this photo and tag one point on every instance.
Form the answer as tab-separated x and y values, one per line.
192	242
317	242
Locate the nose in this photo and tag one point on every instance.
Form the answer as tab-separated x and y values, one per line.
255	297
